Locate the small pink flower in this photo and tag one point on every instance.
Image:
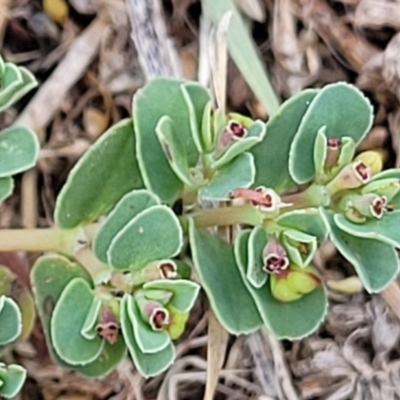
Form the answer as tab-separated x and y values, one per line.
275	257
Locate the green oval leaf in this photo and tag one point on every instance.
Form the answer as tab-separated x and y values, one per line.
12	377
173	149
154	234
147	364
49	276
229	298
126	209
272	154
15	82
163	97
293	320
255	273
184	292
386	229
19	150
100	178
238	174
148	340
376	262
343	110
307	220
68	319
10	320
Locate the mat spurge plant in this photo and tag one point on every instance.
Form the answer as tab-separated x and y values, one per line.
154	184
19	149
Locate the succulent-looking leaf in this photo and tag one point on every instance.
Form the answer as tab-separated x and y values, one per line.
207	133
386	229
12	286
184	292
6	188
300	246
148	340
272	154
126	209
238	174
153	234
147	364
387	174
254	135
196	100
19	149
228	296
376	262
68	319
307	220
12	377
178	322
173	149
15	82
100	178
163	97
10	320
343	110
88	330
49	276
293	320
320	151
255	273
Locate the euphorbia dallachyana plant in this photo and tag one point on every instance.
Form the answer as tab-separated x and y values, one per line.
19	150
122	281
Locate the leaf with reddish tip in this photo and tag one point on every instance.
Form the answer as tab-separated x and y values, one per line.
150	364
293	320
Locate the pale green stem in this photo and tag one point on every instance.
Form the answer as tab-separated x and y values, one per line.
46	239
225	216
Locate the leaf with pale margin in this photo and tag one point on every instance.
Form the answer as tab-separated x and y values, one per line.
197	100
228	296
6	188
386	229
173	149
126	209
254	268
254	135
292	239
10	320
147	364
153	234
49	276
163	97
106	172
184	292
272	154
293	320
19	150
148	340
12	377
68	319
307	220
238	174
343	110
375	262
15	82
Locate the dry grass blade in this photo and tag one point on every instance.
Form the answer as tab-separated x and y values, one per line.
391	295
376	14
156	54
253	8
219	56
244	53
337	35
216	348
